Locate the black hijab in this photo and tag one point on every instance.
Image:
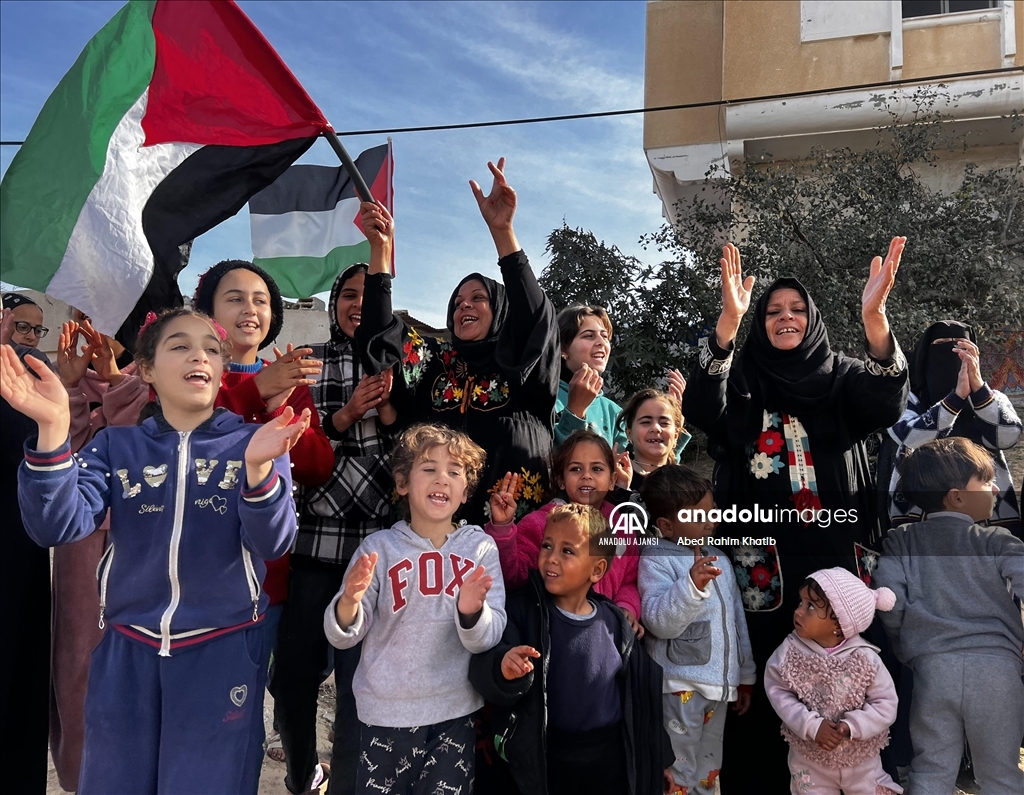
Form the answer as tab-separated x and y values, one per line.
337	335
934	370
802	381
481	354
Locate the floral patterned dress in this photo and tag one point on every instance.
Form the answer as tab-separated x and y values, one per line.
505	403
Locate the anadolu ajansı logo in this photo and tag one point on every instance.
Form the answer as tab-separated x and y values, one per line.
628	519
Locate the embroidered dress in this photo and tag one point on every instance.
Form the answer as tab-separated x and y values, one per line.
786	430
500	390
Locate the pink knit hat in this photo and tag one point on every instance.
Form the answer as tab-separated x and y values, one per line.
852	601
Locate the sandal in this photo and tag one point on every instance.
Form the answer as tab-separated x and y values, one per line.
321	780
273	748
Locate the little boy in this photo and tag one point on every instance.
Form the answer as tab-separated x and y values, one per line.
422	599
590	720
955	622
696	627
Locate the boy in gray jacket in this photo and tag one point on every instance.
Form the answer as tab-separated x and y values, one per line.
955	622
422	598
696	626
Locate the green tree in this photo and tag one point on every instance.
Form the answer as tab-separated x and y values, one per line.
822	221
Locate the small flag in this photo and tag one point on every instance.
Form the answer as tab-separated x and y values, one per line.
175	113
305	227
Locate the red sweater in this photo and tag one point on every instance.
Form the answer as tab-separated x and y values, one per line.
312	456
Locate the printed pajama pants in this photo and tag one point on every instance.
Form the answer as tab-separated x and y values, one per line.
867	778
426	760
695	726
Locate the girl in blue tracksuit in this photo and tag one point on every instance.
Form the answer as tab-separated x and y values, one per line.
198	501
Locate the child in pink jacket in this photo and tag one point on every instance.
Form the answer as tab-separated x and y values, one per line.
829	686
586	470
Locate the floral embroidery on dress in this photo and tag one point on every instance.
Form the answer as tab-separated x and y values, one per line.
415	355
768	460
867	562
528	494
759	577
761	466
456	388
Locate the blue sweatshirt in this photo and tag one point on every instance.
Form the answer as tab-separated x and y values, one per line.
188	538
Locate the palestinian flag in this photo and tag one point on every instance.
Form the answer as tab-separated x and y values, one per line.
305	227
173	116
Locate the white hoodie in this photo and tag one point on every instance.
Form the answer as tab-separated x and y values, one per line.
414	668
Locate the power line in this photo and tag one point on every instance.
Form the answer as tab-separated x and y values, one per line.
684	106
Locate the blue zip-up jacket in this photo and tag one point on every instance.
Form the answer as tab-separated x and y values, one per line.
699	638
188	538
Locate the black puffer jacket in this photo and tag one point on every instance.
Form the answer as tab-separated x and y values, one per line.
521	714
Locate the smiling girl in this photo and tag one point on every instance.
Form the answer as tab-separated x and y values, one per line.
653	425
586	472
198	501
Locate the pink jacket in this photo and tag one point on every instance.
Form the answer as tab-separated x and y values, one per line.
119	405
808	684
519	549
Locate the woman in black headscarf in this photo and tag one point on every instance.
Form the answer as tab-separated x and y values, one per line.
495	377
786	421
948	397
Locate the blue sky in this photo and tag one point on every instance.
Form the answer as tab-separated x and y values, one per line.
373	65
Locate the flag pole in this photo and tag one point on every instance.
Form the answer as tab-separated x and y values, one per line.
350	166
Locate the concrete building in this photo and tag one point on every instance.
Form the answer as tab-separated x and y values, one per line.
746	52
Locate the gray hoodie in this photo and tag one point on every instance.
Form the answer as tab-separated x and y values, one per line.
414	668
951	577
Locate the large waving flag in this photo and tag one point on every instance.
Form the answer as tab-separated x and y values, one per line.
175	113
305	227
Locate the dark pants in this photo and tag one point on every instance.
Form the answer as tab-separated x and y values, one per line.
302	660
178	724
25	662
423	761
587	763
754	754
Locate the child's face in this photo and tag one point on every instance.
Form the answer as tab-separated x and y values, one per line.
591	345
587	478
673	529
241	305
811	622
653	432
187	365
436	486
977	499
565	561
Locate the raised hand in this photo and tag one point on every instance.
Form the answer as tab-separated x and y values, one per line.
377	224
273	440
289	371
103	360
736	292
40	397
503	501
369	392
6	326
357	581
676	386
584	386
970	362
71	365
623	467
516	662
881	278
704	571
498	208
473	591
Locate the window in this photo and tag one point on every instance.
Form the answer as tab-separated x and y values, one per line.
927	8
